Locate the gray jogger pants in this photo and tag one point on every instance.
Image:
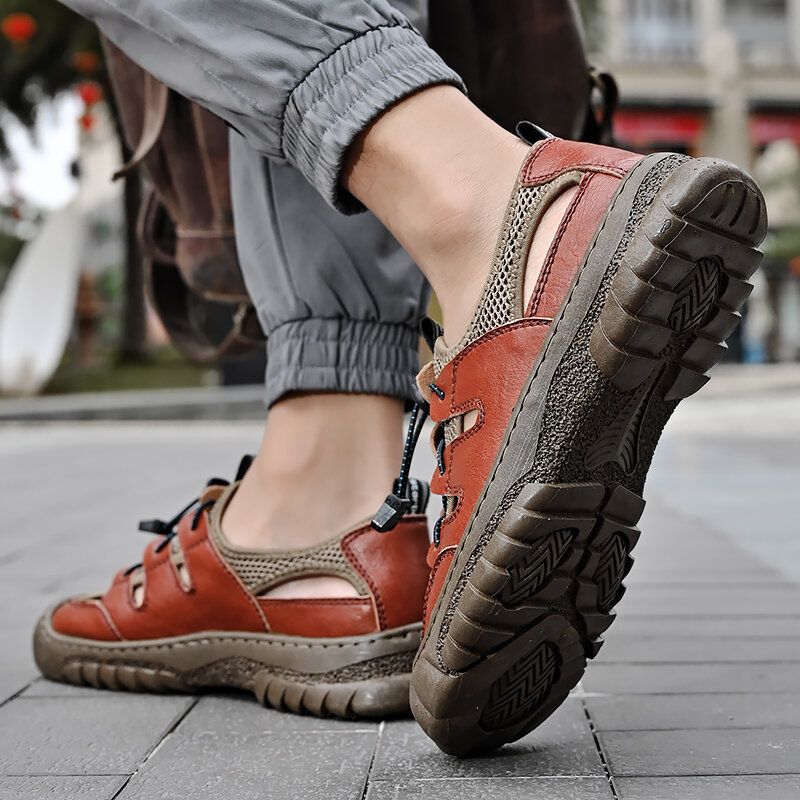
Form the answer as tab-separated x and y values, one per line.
298	80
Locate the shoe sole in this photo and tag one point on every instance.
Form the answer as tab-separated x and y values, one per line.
358	677
540	568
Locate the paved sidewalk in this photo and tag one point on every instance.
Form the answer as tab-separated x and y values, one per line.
695	696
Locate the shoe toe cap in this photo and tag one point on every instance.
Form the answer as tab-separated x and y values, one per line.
83	618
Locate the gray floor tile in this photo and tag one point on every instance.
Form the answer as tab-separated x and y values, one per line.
763	787
712	600
42	687
724	496
13	680
665	554
718	752
225	747
563	745
493	789
231	716
707	627
690	678
623	648
692	711
287	766
103	735
665	572
92	787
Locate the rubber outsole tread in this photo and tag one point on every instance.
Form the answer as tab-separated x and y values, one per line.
530	572
369	684
516	692
370	699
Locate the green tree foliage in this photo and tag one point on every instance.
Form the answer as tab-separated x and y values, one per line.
45	65
783	242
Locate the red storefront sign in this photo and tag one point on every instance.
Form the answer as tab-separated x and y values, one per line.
645	128
766	128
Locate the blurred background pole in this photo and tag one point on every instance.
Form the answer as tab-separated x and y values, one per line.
133	346
728	136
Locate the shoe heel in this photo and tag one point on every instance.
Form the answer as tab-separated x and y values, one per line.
529	616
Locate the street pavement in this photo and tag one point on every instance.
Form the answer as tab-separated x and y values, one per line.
695	696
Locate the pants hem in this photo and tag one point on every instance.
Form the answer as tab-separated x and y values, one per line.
342	355
346	92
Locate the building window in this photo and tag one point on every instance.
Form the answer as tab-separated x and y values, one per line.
661	31
762	30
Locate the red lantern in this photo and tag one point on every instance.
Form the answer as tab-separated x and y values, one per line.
90	92
86	62
19	28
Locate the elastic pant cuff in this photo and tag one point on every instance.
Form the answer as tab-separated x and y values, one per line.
346	92
342	355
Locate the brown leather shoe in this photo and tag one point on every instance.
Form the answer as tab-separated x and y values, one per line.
547	419
192	616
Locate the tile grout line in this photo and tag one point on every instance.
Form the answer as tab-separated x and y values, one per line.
16	695
367	780
599	748
684	693
624	663
510	778
704	730
64	775
728	583
712	617
123	787
176	722
674	776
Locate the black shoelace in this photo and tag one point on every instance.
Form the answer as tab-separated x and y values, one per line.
169	528
399	502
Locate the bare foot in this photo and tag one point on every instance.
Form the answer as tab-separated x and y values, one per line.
439	173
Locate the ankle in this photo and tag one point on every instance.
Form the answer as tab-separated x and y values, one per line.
438	173
325	464
279	510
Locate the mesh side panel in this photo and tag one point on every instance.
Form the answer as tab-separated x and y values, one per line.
260	571
501	301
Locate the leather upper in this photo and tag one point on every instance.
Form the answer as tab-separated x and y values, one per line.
489	374
486	377
215	599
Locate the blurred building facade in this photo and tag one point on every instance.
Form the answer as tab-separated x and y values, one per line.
704	76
